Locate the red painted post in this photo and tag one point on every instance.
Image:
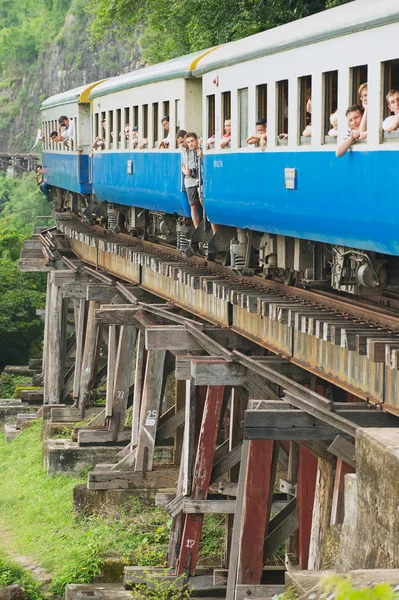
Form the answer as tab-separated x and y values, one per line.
202	474
305	498
255	514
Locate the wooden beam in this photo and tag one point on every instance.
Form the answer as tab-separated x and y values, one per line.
177	337
117	315
150	407
80	318
227	462
219	507
139	373
159	479
112	350
376	347
281	527
123	373
321	513
285	425
217	372
337	509
343	449
201	478
305	497
89	354
255	515
167	430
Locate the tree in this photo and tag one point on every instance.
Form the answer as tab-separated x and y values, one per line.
174	28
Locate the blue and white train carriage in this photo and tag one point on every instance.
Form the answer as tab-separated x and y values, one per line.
67	166
309	208
295	210
148	180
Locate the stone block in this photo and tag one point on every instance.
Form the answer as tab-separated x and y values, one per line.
10	432
107	591
9	409
65	456
107	502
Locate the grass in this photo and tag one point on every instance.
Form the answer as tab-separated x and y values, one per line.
13	574
36	517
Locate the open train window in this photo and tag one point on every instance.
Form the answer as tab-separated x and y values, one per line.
109	130
282	112
391	83
210	115
96	125
145	121
177	115
155	120
305	109
261	101
118	129
243	116
358	78
126	129
330	119
165	113
226	106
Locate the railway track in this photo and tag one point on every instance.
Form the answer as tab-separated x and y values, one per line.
379	309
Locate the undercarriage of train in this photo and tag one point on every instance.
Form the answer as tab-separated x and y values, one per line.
294	261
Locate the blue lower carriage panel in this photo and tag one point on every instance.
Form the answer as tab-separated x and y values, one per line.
350	201
150	180
68	171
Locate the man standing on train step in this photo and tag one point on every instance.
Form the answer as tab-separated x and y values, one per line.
191	170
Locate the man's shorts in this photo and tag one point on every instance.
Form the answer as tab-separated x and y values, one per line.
192	195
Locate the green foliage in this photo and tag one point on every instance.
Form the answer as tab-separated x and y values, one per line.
343	589
173	28
161	588
9	384
36	511
13	574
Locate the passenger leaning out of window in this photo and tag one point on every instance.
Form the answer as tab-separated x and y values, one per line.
392	123
181	139
226	138
164	143
333	132
354	115
65	129
260	131
135	131
363	103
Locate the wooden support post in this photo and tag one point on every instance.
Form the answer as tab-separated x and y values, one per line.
149	413
292	477
123	370
201	478
141	359
56	342
89	354
180	402
255	511
337	510
46	350
321	517
80	317
239	402
305	498
111	369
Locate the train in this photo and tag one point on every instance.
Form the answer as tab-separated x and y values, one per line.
291	210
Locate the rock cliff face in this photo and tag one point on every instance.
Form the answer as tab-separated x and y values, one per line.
69	62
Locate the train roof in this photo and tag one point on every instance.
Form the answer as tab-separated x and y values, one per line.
79	94
349	18
170	69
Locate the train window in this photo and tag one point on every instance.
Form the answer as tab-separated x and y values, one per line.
145	121
96	125
391	82
282	112
261	101
155	120
226	106
110	129
243	116
118	129
135	116
177	115
330	87
211	115
165	113
358	78
305	109
127	128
